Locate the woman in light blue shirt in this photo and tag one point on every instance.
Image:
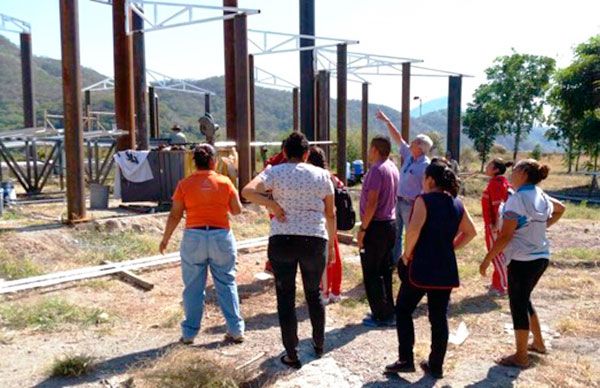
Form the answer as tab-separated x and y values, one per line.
525	218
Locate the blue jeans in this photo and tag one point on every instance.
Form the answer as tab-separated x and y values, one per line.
403	210
201	249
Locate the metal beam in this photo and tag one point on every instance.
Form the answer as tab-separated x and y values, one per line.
323	96
10	24
365	124
27	80
454	97
341	111
252	112
406	101
242	99
152	112
123	65
266	78
267	42
139	84
307	68
71	75
164	15
206	102
230	80
295	112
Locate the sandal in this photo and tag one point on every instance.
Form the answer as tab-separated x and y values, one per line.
285	360
511	361
533	349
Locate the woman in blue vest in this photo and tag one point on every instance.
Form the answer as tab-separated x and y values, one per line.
439	225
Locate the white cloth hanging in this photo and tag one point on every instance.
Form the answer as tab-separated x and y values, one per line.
134	165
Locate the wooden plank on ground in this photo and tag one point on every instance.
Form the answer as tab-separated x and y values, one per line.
133	279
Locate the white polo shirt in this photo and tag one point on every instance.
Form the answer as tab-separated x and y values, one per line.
531	208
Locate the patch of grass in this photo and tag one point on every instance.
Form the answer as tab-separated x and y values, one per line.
11	215
17	268
582	211
100	246
569	325
579	254
72	366
352	303
173	316
257	228
96	284
47	314
187	368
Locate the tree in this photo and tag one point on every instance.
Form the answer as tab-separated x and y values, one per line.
481	122
518	84
575	99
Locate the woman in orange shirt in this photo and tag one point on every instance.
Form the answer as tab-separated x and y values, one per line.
206	197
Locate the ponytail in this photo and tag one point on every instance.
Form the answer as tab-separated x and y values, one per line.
501	165
204	154
535	171
441	172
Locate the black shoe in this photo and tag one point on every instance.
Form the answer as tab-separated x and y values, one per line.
291	362
318	350
435	374
400	367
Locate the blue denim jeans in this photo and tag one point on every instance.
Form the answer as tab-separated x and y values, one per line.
403	209
214	249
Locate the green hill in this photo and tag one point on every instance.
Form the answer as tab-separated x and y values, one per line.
273	107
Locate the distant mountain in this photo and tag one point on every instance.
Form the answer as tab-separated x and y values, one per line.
273	107
430	106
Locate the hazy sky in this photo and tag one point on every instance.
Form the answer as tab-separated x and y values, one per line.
458	35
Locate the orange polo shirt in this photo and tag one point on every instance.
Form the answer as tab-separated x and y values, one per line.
205	195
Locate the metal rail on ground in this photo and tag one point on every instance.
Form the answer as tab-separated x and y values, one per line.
57	278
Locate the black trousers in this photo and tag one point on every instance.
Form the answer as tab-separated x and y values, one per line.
286	252
437	304
377	267
522	279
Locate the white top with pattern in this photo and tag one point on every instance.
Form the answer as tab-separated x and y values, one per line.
300	189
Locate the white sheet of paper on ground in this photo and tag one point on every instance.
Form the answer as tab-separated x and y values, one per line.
263	276
460	336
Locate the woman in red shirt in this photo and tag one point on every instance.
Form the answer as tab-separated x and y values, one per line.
331	285
495	194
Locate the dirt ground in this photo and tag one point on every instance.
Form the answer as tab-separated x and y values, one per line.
141	327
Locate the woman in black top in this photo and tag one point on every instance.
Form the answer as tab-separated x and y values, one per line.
438	226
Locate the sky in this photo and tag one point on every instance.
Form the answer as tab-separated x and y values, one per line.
458	35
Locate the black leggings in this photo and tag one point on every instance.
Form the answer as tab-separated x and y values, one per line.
522	279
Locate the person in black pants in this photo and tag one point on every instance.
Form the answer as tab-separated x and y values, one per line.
439	225
302	234
377	233
525	217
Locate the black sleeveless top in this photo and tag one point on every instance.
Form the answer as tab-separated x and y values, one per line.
434	262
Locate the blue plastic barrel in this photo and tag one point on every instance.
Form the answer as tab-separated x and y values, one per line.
358	168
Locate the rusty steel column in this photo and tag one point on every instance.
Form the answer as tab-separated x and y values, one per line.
87	102
27	81
406	101
139	83
342	57
242	100
295	99
252	112
230	80
206	102
307	70
71	78
454	97
323	95
123	62
152	112
364	139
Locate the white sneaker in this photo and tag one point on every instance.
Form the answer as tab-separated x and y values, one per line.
333	298
325	299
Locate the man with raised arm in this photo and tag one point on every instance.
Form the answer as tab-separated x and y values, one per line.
412	169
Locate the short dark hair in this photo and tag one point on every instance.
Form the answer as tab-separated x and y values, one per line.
203	155
317	157
296	145
382	144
